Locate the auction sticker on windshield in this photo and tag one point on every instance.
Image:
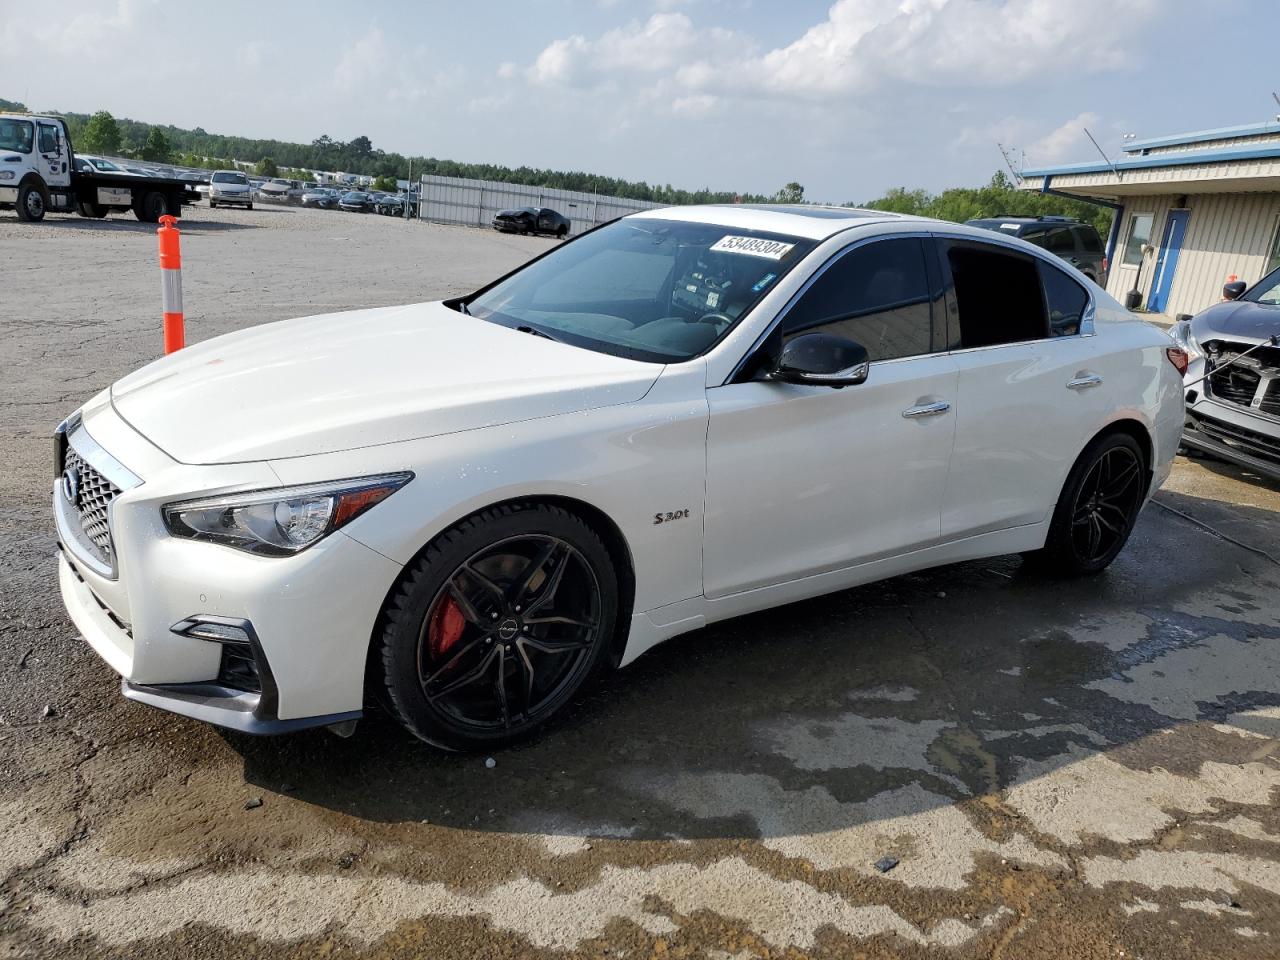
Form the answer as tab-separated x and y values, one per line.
753	246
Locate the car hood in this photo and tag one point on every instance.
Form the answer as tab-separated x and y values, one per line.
1239	320
362	378
511	213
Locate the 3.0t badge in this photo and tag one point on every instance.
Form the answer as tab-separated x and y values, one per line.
670	515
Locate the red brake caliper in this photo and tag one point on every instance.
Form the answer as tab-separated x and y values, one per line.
445	629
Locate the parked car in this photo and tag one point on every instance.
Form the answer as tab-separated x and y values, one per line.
230	188
275	191
1233	399
354	202
685	415
322	197
532	220
391	205
87	163
1074	241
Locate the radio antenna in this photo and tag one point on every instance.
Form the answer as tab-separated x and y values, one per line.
1004	152
1110	162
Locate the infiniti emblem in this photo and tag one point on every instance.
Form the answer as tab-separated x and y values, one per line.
71	485
508	629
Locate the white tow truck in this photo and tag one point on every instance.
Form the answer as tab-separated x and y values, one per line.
39	175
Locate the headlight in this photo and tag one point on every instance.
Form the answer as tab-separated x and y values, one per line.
1183	337
283	521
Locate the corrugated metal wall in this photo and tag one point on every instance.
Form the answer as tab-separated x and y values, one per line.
475	202
1226	233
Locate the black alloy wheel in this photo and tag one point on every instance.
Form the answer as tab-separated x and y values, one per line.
498	624
1106	505
1098	507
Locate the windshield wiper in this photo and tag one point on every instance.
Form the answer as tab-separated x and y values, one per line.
534	331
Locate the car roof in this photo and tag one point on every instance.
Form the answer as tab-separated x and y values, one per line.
813	221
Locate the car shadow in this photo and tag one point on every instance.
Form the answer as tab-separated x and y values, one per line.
127	224
884	706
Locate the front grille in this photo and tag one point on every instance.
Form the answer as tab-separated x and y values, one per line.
92	496
1236	378
1271	401
1244	439
1234	384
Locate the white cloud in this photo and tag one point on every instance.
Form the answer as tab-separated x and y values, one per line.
654	46
1066	142
361	62
861	45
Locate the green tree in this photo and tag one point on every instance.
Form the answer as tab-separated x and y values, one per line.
266	167
386	184
791	193
156	148
101	134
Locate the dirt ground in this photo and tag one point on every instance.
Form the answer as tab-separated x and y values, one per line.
1078	770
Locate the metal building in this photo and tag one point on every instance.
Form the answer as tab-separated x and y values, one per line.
474	203
1203	206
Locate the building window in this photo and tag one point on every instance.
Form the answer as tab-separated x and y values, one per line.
1274	260
1139	234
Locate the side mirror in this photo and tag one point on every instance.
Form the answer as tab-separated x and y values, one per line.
1233	290
819	359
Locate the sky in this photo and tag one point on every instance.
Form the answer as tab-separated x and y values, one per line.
848	98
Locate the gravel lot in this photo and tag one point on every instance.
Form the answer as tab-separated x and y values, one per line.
1059	770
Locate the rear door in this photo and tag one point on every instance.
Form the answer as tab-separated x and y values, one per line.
1029	390
806	479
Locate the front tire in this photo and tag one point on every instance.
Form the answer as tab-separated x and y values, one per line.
33	202
497	625
1097	509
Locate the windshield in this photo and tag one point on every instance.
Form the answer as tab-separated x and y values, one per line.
657	290
16	135
1267	291
230	178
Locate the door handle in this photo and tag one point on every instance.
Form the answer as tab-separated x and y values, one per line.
1084	382
927	410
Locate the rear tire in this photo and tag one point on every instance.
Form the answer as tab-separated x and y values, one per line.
248	206
151	206
497	625
33	202
1097	508
212	205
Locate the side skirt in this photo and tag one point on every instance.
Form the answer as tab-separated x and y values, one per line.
650	628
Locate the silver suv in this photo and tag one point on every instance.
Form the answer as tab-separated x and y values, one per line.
228	187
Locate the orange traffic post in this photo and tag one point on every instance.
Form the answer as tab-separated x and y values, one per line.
171	283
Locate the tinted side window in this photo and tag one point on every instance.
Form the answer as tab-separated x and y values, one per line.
998	294
876	294
1066	300
1090	242
1035	236
1060	242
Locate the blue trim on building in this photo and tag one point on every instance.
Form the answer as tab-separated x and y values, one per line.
1188	158
1200	136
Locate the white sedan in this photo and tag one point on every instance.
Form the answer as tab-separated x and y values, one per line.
682	416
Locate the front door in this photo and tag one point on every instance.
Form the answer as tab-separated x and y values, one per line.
51	162
1175	230
804	479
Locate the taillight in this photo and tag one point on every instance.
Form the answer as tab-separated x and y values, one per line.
1106	264
1179	358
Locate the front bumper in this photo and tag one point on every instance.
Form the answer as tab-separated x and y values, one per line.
311	616
1251	440
244	198
8	194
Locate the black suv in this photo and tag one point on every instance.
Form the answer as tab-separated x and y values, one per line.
1074	241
